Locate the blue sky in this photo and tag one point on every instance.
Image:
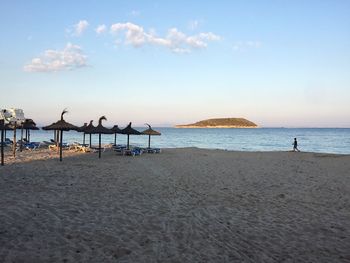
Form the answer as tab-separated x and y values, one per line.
277	63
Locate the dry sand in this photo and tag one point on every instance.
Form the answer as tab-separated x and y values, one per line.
183	205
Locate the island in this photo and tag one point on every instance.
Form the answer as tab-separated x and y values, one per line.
221	123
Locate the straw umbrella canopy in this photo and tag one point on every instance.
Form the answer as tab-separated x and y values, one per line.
100	129
88	130
2	128
28	125
56	135
128	130
61	125
115	129
150	132
82	129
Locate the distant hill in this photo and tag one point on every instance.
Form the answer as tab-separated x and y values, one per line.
221	123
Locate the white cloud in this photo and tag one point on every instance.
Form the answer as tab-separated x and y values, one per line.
244	45
80	27
101	29
70	58
175	40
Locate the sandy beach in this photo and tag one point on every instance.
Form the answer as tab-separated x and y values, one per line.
183	205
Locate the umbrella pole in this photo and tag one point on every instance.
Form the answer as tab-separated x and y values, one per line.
14	141
99	145
115	139
28	136
2	147
128	143
58	140
21	145
84	139
90	140
61	139
149	141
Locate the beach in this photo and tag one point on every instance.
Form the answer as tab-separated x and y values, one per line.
182	205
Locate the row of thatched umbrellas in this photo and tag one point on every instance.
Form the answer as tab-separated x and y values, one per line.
61	125
26	126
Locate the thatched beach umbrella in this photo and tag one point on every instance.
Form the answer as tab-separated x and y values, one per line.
27	125
61	126
99	129
88	130
56	134
128	130
150	132
82	129
115	129
2	128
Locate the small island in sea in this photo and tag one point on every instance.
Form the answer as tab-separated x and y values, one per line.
220	123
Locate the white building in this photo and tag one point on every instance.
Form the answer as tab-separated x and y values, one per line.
12	115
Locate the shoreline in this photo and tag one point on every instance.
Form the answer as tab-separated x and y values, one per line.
46	154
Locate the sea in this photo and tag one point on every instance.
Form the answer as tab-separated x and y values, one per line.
320	140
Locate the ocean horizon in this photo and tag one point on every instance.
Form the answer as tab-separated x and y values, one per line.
321	140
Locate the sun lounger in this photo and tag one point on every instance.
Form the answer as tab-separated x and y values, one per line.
119	148
32	146
28	146
96	149
152	150
53	147
79	147
65	146
8	141
132	152
48	143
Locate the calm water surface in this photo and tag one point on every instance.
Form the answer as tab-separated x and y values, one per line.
329	140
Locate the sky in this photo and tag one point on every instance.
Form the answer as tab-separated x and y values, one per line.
277	63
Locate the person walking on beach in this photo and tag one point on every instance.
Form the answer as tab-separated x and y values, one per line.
295	145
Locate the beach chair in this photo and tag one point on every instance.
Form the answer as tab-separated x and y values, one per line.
75	146
52	147
153	150
8	141
132	152
108	146
85	149
79	147
137	151
96	149
32	146
119	148
65	146
47	143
